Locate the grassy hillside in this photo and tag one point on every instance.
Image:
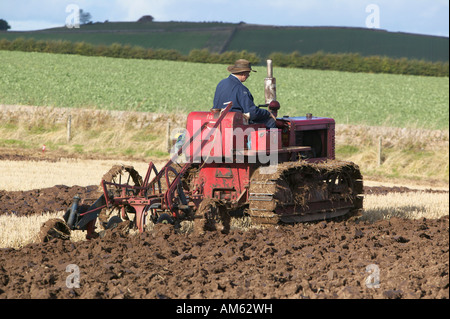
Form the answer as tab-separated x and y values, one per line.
263	40
167	86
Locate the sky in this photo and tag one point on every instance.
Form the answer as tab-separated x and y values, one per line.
430	17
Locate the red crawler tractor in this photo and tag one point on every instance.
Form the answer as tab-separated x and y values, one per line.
228	167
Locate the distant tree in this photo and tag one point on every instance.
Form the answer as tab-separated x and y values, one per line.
146	18
4	26
85	17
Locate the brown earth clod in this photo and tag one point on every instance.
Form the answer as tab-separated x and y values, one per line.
54	228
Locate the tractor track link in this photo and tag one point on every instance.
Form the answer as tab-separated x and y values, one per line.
305	192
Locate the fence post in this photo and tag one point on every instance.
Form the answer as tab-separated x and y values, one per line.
69	128
379	151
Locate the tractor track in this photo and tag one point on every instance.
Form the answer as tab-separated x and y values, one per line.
297	187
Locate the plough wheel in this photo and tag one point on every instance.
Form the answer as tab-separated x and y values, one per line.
121	175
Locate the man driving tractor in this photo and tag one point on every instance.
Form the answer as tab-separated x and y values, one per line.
232	89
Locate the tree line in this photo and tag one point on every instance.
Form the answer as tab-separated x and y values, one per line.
350	62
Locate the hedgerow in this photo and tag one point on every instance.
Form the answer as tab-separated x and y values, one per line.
350	62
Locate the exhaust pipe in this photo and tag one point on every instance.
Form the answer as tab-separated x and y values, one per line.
270	90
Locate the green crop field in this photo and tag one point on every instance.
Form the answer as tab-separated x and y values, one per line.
183	42
340	40
180	36
260	39
166	86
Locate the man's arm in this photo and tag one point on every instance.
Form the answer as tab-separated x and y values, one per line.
248	105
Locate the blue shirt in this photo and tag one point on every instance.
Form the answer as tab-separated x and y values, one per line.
232	89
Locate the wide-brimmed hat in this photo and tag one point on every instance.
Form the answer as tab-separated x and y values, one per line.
239	66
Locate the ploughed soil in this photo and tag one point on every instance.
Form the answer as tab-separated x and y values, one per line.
395	258
389	259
